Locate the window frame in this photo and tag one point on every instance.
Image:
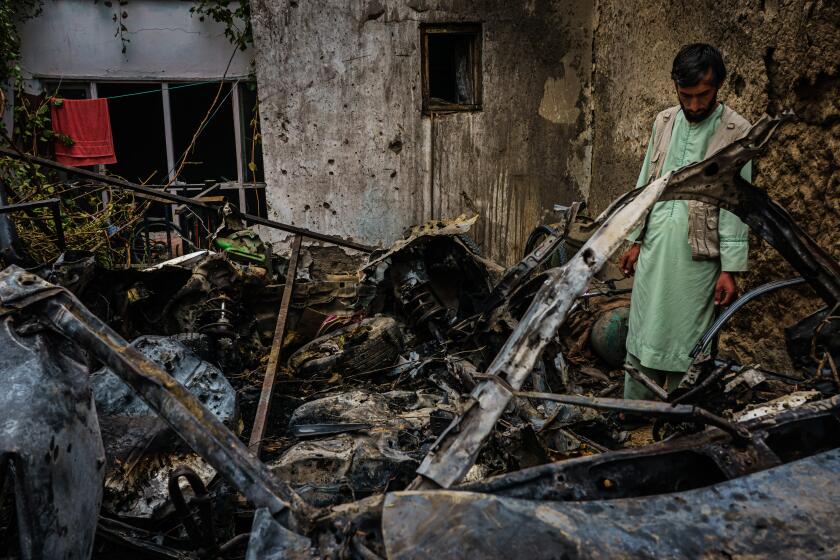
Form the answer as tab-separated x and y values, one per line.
476	47
239	122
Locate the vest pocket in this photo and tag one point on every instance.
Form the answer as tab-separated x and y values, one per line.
703	236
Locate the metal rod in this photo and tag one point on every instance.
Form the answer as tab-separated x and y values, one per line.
649	383
201	194
167	218
170	197
59	227
7	208
236	104
646	408
711	378
54	204
264	406
740	302
147	258
167	131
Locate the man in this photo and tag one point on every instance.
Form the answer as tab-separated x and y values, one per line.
685	255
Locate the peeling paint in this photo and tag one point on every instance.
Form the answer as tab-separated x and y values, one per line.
559	100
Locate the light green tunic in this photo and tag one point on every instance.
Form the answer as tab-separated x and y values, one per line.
672	303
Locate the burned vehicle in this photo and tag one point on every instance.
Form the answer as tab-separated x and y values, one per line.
429	405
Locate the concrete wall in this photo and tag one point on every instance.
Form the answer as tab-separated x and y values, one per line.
74	39
780	54
349	152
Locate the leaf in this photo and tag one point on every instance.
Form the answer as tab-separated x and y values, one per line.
252	166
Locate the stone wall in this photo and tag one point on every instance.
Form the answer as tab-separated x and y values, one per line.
780	54
349	152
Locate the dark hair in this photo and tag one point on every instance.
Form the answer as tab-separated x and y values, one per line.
693	61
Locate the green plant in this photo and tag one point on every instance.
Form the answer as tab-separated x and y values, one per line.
13	13
234	14
119	16
33	132
91	222
94	218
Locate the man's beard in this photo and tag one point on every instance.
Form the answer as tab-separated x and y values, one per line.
698	117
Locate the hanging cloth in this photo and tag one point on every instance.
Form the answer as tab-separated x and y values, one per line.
88	123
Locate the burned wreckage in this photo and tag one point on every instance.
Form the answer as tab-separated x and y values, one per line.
435	404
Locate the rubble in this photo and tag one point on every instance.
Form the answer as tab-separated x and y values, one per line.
411	396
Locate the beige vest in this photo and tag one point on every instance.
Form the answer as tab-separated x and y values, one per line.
703	218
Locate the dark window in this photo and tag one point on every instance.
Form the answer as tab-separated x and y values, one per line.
137	129
140	138
213	157
451	67
67	91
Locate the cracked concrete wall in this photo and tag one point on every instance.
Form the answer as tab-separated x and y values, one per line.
74	39
348	151
780	54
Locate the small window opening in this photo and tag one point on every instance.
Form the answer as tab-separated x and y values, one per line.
451	65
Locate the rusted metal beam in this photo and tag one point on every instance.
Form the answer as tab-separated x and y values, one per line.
645	408
27	294
264	406
649	383
175	198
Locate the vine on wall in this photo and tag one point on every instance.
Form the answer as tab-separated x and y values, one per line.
119	17
235	15
13	13
236	18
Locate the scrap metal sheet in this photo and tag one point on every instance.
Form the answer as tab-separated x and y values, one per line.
785	512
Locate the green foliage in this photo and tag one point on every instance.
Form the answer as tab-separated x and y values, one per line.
33	132
91	222
119	16
234	14
12	13
101	223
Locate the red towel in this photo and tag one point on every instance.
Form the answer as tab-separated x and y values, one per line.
87	122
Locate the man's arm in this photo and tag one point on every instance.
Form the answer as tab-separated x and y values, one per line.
734	249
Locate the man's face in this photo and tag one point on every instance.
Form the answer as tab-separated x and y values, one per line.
698	101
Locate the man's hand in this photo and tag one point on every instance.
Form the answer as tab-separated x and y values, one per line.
725	289
628	260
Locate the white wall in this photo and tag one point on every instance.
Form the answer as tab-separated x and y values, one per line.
74	39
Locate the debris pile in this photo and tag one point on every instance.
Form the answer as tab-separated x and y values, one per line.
426	401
